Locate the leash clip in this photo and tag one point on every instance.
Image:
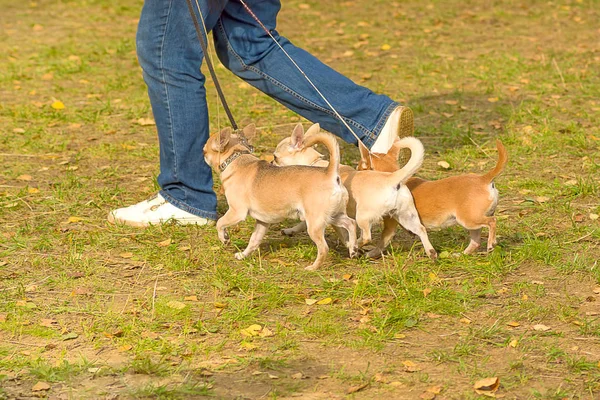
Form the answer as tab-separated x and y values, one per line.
244	141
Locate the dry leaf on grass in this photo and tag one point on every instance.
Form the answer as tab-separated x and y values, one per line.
48	323
40	386
24	178
410	366
357	388
443	164
125	347
3	317
493	99
58	105
541	328
164	243
513	343
513	324
176	305
324	301
190	298
386	47
145	121
426	292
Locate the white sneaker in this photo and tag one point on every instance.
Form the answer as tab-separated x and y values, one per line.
154	211
400	123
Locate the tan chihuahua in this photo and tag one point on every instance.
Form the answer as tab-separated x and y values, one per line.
468	200
271	194
373	194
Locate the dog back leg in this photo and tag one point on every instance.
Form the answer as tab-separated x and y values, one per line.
364	223
389	230
231	217
475	241
474	225
257	236
316	231
410	221
299	227
346	230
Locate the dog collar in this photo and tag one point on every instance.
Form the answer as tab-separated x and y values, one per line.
231	158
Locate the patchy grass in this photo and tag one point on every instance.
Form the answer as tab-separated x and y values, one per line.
94	309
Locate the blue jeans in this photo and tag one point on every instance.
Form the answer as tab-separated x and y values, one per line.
170	55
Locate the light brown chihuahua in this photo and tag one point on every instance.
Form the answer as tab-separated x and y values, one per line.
468	200
373	195
271	194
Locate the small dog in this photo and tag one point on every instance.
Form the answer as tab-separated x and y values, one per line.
271	194
468	200
373	194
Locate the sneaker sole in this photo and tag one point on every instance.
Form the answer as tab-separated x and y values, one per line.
115	221
406	128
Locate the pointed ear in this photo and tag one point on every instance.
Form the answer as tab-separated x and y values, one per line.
222	140
364	152
298	136
315	128
250	131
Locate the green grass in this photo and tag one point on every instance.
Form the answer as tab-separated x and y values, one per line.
471	72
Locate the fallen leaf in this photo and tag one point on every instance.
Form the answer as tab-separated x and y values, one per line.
271	376
48	76
69	336
93	370
220	305
357	388
125	347
451	102
541	328
410	366
465	321
386	47
164	243
578	217
435	389
492	99
324	301
448	115
297	375
126	255
597	290
176	305
58	105
443	164
304	6
427	396
24	177
487	384
513	343
73	220
252	330
33	190
310	302
380	378
40	386
48	323
265	332
3	317
542	199
347	277
426	292
593	216
513	324
145	122
19	130
190	298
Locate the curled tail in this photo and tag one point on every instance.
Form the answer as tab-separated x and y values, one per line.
417	153
502	159
313	136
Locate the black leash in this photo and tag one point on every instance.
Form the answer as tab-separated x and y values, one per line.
203	44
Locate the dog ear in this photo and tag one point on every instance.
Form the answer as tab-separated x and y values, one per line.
315	128
250	131
298	136
222	140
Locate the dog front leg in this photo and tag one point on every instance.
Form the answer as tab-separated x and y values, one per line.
230	218
257	236
299	227
389	230
344	224
410	220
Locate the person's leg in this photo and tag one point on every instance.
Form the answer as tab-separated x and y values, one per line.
170	56
247	50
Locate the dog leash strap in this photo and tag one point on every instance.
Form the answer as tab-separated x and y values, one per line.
203	44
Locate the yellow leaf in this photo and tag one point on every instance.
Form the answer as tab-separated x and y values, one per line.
324	301
310	302
58	105
265	332
443	164
48	77
220	305
386	47
513	343
164	243
24	177
190	298
33	190
513	324
252	330
125	347
146	121
177	305
40	386
126	255
487	384
451	102
465	321
410	366
493	99
73	220
426	292
347	277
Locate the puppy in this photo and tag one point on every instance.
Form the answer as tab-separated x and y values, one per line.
373	195
271	194
468	200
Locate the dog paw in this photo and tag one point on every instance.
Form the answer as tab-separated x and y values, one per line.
311	267
433	254
353	252
375	253
239	255
287	232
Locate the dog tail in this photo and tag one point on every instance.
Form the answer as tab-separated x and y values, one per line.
502	159
332	147
417	153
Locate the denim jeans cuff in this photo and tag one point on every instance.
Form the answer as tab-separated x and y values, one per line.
369	141
177	203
